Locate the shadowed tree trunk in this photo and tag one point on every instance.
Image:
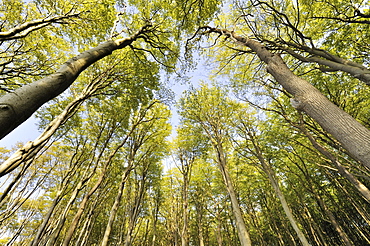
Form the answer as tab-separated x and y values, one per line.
16	107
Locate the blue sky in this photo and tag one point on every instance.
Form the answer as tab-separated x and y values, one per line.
23	133
28	131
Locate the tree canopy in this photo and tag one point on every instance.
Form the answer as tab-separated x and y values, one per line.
273	148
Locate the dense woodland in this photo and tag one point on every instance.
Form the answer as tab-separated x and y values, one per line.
273	148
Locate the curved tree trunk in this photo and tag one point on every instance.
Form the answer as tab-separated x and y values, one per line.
97	185
81	209
31	148
41	229
63	216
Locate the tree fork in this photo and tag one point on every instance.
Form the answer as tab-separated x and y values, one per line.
353	136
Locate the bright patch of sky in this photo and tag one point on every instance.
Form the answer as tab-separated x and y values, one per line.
28	131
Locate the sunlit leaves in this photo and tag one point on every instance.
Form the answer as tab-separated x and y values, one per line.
208	107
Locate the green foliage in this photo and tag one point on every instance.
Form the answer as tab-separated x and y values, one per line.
124	123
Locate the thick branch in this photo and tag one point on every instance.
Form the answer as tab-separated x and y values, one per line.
30	26
324	58
352	19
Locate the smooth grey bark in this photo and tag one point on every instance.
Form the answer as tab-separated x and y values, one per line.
31	148
19	105
353	136
243	233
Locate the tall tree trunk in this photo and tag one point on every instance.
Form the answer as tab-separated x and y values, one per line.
360	208
353	136
155	220
319	239
326	210
364	214
184	232
218	231
256	224
271	176
98	183
333	220
200	237
275	224
239	220
63	216
85	230
342	170
18	106
81	209
42	227
199	216
134	214
117	201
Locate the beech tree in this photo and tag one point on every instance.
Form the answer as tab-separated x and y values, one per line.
209	110
19	105
308	99
247	132
272	146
